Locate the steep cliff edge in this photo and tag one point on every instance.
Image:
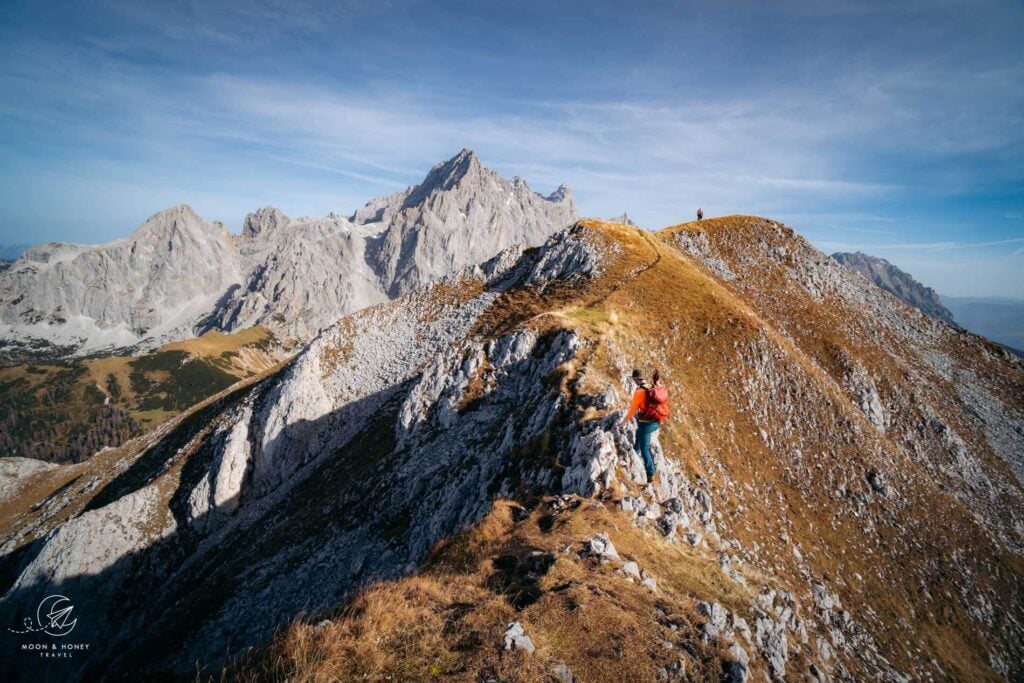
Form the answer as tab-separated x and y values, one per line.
839	490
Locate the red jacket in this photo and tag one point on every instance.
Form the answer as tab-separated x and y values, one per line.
639	404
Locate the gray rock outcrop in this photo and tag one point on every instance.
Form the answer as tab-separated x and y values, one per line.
462	213
515	638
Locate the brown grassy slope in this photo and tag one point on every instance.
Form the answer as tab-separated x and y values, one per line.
927	541
447	621
709	352
760	414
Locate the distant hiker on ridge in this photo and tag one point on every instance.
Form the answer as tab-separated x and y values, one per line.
700	214
650	406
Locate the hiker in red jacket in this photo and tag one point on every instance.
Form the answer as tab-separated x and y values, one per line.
700	214
650	406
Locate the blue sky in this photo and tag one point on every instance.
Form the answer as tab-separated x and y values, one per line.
894	128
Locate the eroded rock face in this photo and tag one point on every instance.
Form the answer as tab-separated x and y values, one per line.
178	275
155	283
897	282
301	276
393	429
462	213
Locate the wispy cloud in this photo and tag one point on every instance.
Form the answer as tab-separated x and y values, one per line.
919	246
840	118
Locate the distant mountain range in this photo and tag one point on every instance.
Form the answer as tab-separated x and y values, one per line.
179	275
1000	319
897	282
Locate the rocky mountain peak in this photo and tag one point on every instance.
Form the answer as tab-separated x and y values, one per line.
455	169
181	219
180	212
262	222
462	169
561	194
461	213
294	283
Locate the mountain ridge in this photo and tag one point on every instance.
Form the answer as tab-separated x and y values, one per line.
839	487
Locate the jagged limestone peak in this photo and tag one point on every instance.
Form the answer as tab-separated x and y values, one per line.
294	281
263	221
561	194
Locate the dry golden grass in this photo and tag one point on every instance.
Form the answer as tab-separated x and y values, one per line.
34	375
929	517
447	621
213	344
100	369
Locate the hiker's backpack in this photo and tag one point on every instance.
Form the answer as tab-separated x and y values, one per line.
657	404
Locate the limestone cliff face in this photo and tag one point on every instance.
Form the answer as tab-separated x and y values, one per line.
462	213
153	283
303	274
897	282
179	275
843	472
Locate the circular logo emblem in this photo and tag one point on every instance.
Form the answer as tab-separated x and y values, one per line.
54	615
